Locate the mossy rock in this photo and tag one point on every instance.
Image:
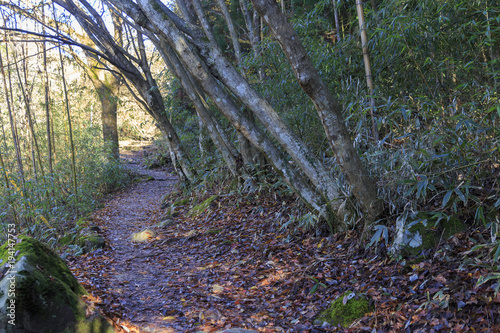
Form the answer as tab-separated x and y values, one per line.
423	233
46	295
420	236
90	243
171	210
347	308
202	207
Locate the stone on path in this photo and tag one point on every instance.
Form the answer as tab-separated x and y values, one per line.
143	236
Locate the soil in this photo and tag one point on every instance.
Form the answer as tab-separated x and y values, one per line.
124	276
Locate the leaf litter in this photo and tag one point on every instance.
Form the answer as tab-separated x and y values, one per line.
233	266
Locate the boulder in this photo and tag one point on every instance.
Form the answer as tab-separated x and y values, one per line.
39	294
90	239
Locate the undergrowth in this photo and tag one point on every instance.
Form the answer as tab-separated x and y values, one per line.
47	207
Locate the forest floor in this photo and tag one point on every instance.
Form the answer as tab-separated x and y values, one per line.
234	266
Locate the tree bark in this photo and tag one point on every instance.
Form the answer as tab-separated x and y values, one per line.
226	73
47	97
11	118
221	141
146	87
363	187
336	18
249	154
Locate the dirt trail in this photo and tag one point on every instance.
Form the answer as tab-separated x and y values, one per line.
125	275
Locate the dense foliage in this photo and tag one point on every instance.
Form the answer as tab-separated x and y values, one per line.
436	75
436	71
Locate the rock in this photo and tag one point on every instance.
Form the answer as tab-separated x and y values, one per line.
344	310
198	209
420	232
90	239
91	242
39	294
143	236
217	289
166	223
171	210
211	314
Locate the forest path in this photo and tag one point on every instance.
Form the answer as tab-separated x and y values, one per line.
228	268
126	277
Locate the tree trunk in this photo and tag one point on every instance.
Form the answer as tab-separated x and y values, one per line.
336	17
249	154
106	85
107	90
329	112
47	97
368	69
151	98
11	118
321	178
70	129
221	141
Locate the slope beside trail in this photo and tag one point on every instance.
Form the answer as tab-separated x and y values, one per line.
236	266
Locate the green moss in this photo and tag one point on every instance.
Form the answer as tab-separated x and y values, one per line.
91	242
46	259
48	285
197	210
47	294
181	202
37	293
67	239
342	314
452	226
420	237
94	325
213	231
427	229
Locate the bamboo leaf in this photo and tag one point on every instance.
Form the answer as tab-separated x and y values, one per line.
446	198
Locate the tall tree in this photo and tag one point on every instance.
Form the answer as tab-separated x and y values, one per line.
47	96
133	70
210	68
326	105
68	115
